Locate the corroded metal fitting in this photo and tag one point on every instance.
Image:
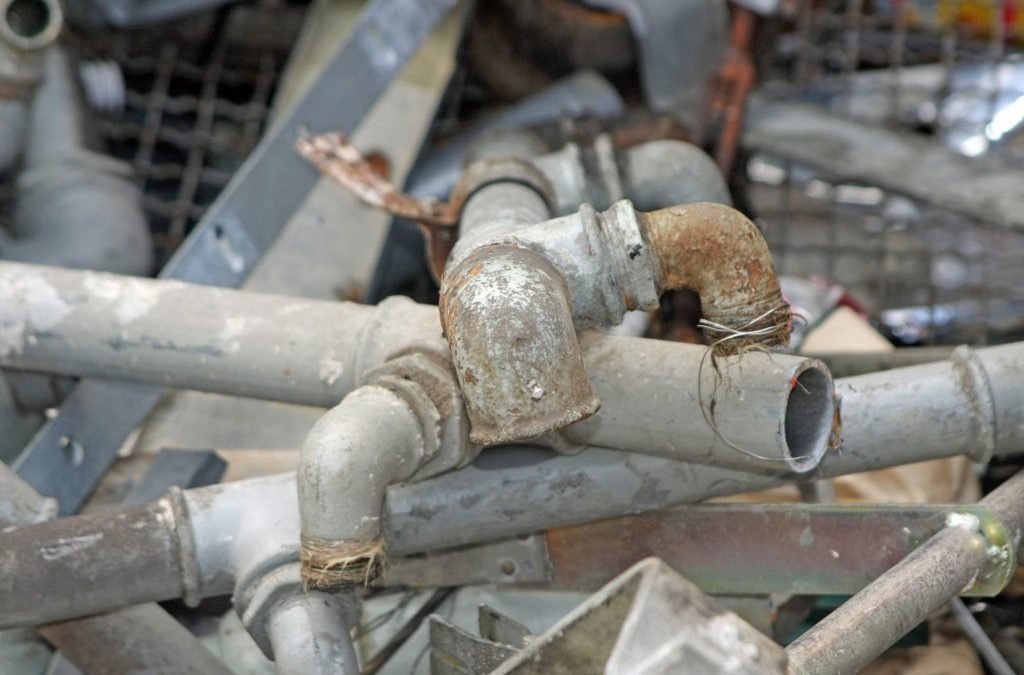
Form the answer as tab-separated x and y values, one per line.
508	319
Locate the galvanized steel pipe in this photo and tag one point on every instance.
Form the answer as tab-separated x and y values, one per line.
127	640
600	264
75	207
192	544
480	502
89	564
308	636
234	533
762	412
370	441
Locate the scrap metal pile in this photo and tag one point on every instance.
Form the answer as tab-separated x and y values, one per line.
424	352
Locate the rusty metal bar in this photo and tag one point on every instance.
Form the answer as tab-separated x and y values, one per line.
799	548
923	582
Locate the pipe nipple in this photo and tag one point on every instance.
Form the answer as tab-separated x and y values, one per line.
337	565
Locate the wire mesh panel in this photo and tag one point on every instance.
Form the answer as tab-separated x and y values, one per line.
947	71
195	100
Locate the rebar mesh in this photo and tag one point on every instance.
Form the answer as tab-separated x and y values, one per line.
197	98
929	275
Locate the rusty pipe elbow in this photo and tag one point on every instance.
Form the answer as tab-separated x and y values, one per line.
720	254
508	319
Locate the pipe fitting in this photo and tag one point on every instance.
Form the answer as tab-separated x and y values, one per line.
508	319
514	294
301	631
422	375
720	254
371	440
27	28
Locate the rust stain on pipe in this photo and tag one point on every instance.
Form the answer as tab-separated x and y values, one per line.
506	314
720	254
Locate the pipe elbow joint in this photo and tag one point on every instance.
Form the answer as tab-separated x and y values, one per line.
369	441
720	254
508	319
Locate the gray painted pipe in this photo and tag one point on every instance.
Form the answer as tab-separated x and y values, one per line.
235	532
308	636
133	639
27	29
89	564
373	439
665	173
75	208
13	120
534	489
314	352
761	412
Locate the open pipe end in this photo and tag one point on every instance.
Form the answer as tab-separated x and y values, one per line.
810	417
30	24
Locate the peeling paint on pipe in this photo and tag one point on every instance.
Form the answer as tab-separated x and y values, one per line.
75	208
315	352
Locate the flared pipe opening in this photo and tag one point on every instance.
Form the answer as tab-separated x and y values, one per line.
809	418
30	24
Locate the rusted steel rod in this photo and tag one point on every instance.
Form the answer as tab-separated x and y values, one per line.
923	582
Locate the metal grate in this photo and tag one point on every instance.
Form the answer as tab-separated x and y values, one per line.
196	100
927	274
